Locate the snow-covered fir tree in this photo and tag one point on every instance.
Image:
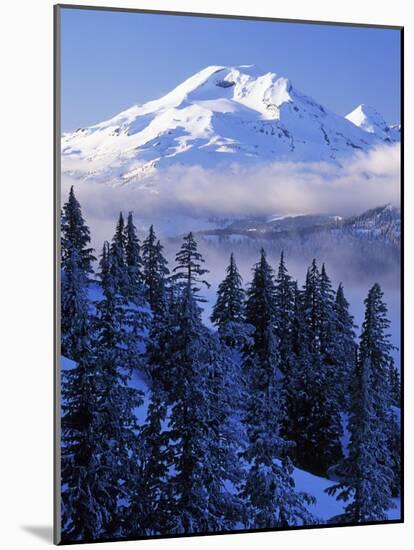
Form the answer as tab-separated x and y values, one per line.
228	311
261	310
82	517
120	237
189	269
133	255
229	306
297	380
204	446
318	437
366	473
395	385
123	265
76	267
117	399
75	234
336	337
149	499
85	507
150	496
284	311
327	322
268	489
138	316
154	268
98	422
190	410
118	266
226	395
394	438
345	348
75	318
284	317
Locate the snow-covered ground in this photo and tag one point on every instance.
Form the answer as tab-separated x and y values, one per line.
326	506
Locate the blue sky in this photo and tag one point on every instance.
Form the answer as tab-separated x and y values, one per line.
113	60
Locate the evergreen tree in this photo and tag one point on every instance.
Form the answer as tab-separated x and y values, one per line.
318	444
76	266
284	318
149	499
345	348
189	270
118	264
83	513
337	339
138	318
260	309
98	422
117	399
75	234
284	304
395	385
81	516
120	237
269	489
97	438
327	336
124	276
367	476
187	454
297	382
154	268
228	311
394	436
225	390
133	256
202	442
312	305
75	321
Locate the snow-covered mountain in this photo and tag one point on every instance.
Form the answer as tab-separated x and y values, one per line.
367	118
220	115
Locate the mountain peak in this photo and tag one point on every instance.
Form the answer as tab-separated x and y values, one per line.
221	114
370	120
366	117
247	85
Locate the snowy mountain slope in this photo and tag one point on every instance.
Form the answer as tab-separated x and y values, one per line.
367	118
218	116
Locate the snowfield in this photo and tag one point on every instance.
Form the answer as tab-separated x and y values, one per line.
218	116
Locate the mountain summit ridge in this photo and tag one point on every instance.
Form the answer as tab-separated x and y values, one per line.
217	116
369	119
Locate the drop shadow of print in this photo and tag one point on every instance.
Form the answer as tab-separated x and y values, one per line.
42	532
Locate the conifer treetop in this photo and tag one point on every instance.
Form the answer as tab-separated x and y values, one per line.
75	233
189	270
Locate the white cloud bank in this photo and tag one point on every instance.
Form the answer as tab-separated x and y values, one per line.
363	181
